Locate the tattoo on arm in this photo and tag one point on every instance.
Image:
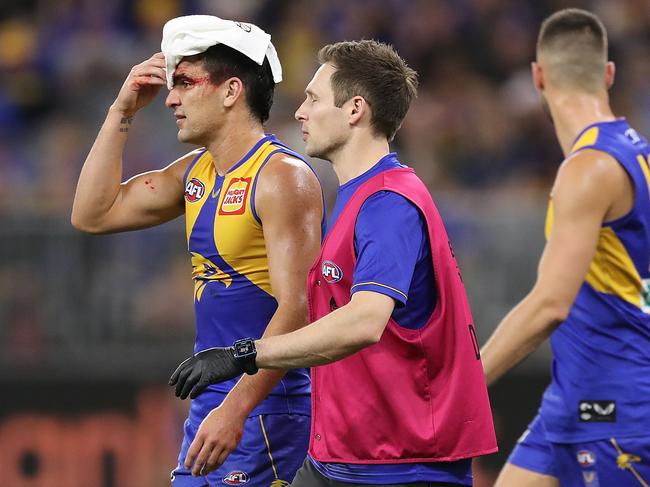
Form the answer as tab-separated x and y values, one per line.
125	122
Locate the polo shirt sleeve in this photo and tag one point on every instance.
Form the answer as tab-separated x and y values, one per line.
388	236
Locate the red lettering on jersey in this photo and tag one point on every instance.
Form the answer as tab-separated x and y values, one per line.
234	199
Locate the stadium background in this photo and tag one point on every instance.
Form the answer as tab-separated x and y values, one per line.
91	327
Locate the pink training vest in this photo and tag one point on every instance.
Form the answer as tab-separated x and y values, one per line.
417	395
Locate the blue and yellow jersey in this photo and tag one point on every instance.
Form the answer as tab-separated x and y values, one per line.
233	297
601	365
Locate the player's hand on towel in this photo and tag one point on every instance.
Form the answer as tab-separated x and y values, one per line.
216	438
141	85
210	366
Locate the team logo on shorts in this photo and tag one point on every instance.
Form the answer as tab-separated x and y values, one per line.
236	477
586	458
194	190
234	199
331	272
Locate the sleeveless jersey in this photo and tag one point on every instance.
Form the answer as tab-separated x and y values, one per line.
601	365
233	297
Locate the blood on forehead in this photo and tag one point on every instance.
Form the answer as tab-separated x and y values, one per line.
189	75
191	71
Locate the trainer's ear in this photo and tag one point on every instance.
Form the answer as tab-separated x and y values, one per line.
234	89
358	108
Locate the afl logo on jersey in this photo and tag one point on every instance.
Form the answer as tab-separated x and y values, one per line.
194	190
236	478
234	199
331	272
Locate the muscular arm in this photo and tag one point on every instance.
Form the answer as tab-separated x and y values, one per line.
102	202
289	203
590	188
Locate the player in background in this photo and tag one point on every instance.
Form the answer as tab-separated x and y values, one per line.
591	295
399	396
253	212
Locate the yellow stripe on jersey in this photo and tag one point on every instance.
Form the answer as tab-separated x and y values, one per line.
203	172
237	233
588	138
612	271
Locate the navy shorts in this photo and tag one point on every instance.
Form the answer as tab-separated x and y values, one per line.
601	463
270	452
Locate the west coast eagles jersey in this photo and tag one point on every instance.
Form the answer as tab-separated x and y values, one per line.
233	297
601	366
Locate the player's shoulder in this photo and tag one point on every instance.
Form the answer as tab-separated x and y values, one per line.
590	175
590	165
284	170
287	162
179	167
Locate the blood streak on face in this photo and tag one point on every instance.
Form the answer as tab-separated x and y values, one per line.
184	79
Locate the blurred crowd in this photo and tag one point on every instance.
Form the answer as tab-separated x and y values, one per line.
477	123
476	134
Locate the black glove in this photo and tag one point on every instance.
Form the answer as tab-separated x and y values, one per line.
213	366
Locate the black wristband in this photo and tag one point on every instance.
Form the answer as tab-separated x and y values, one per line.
245	353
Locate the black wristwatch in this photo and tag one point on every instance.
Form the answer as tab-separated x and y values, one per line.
245	354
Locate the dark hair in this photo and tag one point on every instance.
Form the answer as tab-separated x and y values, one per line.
577	40
223	62
376	72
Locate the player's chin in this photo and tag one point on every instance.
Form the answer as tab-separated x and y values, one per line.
185	137
311	150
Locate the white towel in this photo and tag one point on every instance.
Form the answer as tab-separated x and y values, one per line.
194	34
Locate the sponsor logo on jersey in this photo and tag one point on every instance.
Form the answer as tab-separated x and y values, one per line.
586	458
331	272
600	411
194	190
236	477
234	199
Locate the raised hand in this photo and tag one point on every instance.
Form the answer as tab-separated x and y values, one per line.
141	85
